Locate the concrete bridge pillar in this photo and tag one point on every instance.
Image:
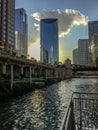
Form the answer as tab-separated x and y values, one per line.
50	73
59	73
4	69
64	74
22	72
56	73
33	70
46	74
12	78
30	69
40	71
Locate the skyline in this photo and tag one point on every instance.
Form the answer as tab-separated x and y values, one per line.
77	12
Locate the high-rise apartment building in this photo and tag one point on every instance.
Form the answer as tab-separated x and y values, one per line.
75	56
83	51
92	29
21	32
49	41
7	20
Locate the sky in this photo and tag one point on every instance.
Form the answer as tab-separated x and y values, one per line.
73	16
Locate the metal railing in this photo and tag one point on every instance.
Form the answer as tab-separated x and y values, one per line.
82	112
68	122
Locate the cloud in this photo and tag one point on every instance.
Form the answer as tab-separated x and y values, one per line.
66	19
33	35
33	40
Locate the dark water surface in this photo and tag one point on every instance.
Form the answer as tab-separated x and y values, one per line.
42	109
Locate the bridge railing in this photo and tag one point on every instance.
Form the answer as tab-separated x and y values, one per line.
82	113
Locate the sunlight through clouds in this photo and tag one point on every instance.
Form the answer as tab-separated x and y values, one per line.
67	19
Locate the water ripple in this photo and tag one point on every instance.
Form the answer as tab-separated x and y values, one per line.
42	109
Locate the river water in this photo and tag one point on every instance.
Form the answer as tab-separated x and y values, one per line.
43	109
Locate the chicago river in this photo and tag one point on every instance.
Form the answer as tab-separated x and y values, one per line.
43	109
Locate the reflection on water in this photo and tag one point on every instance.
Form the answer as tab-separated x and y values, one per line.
42	109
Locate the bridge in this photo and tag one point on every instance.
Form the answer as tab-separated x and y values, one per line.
13	67
76	67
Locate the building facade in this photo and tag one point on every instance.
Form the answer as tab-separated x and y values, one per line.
94	50
7	29
92	29
49	41
75	56
83	51
21	32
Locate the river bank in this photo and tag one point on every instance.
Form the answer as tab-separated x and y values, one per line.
22	87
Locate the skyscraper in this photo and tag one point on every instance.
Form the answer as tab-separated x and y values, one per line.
21	33
49	40
7	17
83	51
92	29
75	56
94	50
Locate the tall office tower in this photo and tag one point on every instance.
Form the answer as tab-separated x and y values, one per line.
83	51
75	56
92	29
21	32
7	30
49	41
94	50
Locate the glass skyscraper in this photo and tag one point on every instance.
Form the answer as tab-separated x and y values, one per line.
7	20
92	29
21	33
49	41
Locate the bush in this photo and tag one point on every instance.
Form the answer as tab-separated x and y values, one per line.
5	89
